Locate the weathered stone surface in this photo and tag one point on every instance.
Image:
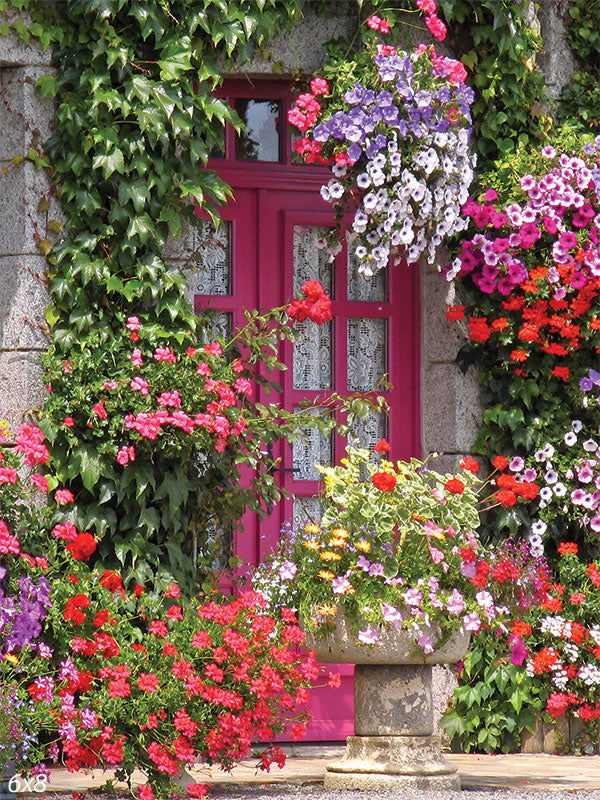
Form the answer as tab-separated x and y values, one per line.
21	386
443	683
394	647
14	51
393	700
533	742
556	59
302	48
182	248
450	409
440	339
378	762
21	190
23	298
555	733
25	117
371	782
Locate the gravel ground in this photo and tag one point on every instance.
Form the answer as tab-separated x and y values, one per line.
275	792
318	793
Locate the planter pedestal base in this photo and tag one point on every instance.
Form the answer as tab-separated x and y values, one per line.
394	746
373	763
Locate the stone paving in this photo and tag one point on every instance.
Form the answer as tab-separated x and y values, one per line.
306	768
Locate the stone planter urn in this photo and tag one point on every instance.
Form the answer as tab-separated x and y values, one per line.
394	746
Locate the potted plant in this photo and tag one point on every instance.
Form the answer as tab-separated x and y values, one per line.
393	579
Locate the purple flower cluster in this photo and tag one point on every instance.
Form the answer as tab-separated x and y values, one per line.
407	153
21	614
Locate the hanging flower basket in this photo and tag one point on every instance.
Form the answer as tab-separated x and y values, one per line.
394	127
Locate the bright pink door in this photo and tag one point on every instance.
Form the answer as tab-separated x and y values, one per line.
264	251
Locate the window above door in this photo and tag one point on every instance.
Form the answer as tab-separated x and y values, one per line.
265	148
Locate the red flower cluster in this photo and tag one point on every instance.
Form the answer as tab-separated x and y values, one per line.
384	481
510	489
247	682
316	306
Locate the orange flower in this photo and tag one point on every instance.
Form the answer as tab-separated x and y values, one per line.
518	355
327	611
545	660
520	628
326	575
311	527
329	555
363	545
310	544
565	548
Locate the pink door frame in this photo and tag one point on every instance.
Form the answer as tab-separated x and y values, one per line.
269	199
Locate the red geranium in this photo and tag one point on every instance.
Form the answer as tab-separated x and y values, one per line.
500	462
565	548
384	481
455	486
382	446
73	608
82	547
111	581
470	464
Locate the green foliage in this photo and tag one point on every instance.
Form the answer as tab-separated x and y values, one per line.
135	124
580	97
495	702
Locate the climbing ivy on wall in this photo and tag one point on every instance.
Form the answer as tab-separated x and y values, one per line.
135	124
580	99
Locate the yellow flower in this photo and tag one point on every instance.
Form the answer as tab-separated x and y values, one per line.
337	542
11	658
363	545
326	575
311	527
310	544
341	533
329	555
327	611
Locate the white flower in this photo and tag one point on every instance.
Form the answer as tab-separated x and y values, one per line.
560	490
570	438
590	446
363	180
539	528
577	425
546	493
548	450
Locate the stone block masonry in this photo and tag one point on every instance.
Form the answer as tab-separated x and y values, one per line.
26	207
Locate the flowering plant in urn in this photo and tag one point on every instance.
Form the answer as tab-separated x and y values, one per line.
394	126
396	547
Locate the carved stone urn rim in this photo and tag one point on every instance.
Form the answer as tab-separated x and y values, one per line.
340	646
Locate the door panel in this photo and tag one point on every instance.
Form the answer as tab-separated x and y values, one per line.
267	248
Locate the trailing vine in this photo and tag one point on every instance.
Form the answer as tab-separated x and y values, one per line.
581	96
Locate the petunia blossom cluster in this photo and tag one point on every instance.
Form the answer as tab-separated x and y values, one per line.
535	264
397	141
